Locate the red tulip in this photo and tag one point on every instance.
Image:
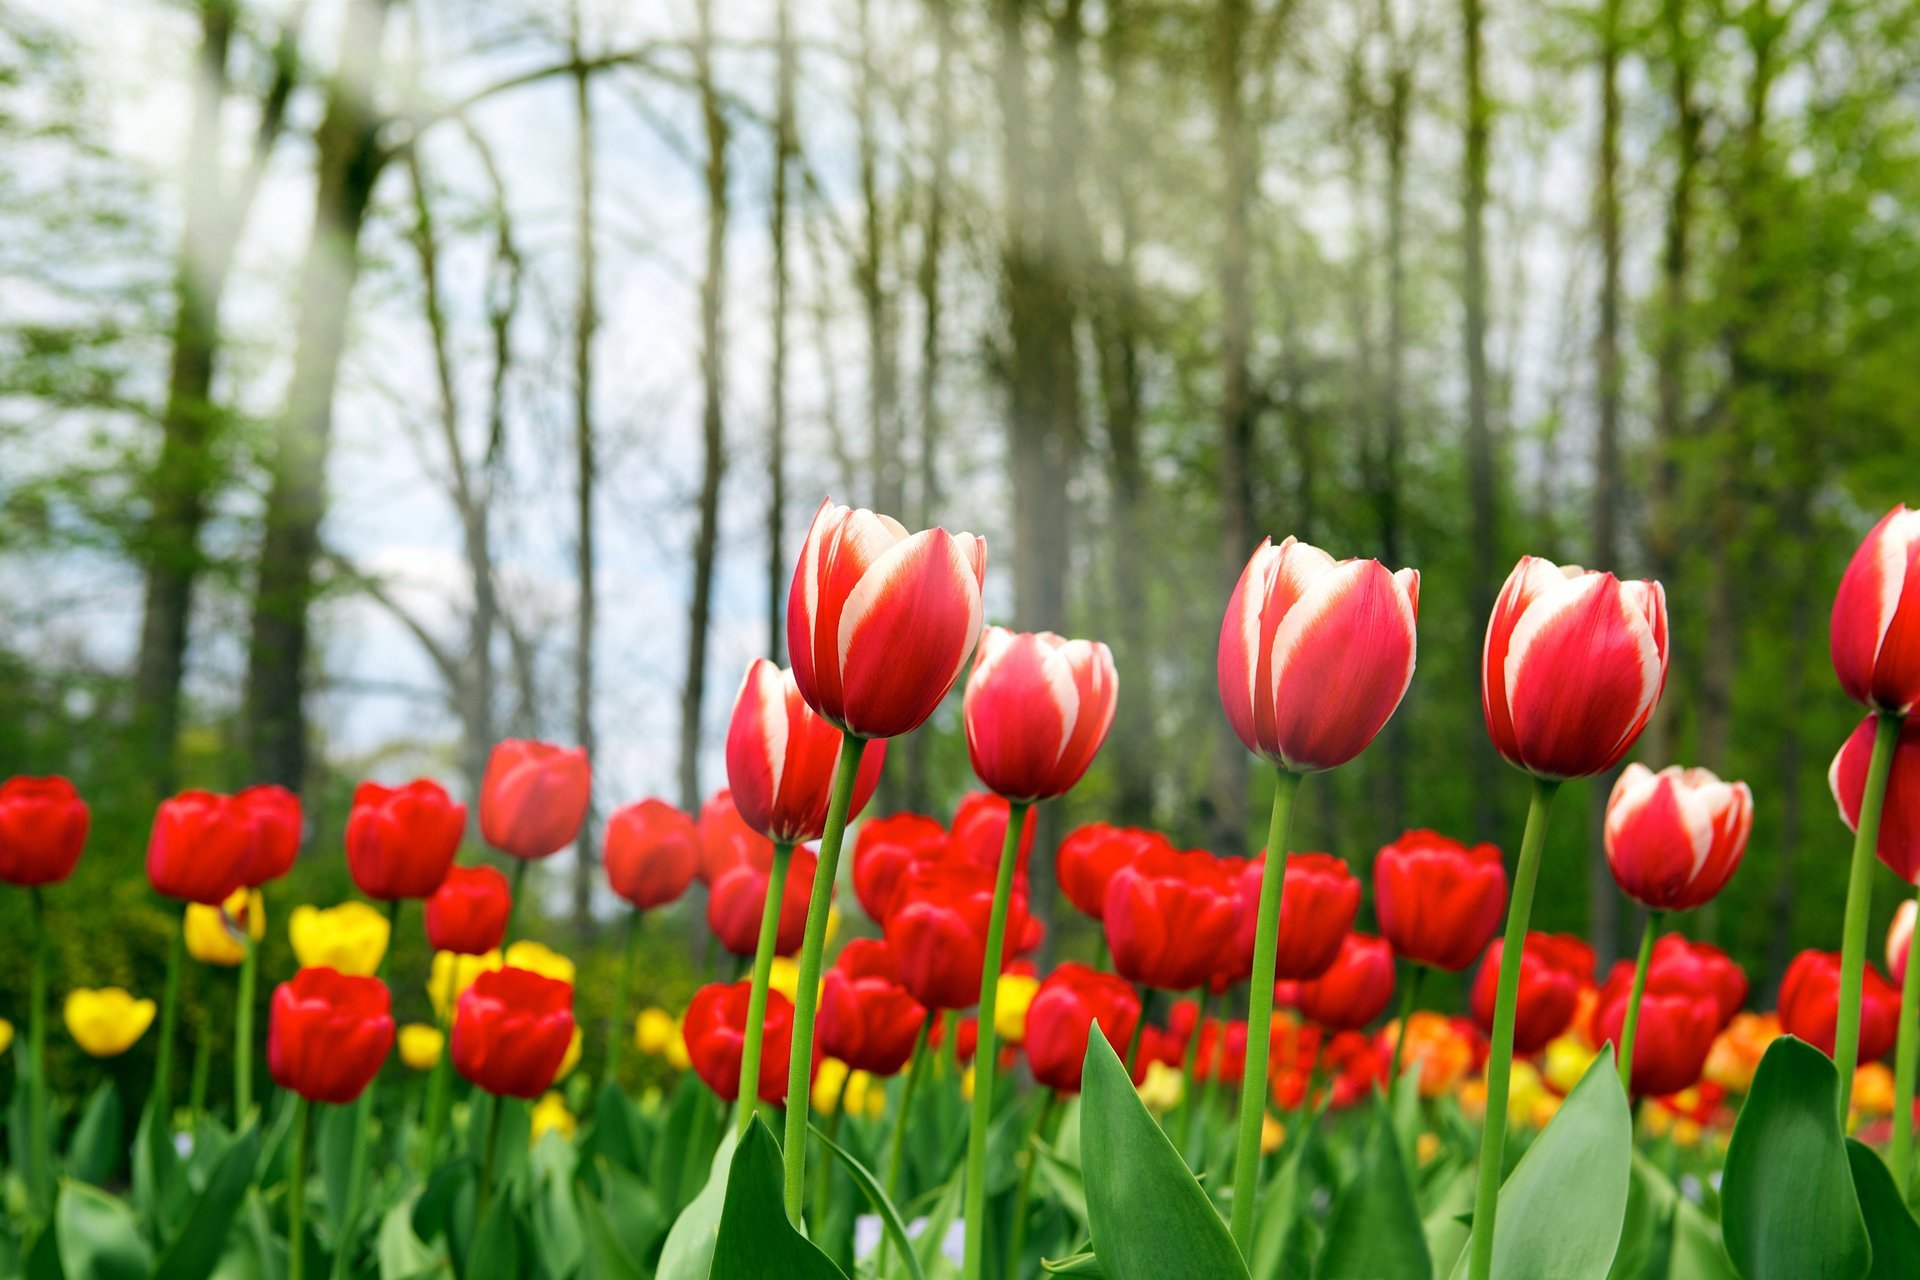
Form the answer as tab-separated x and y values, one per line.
199	848
1439	902
511	1029
1810	1004
716	1033
534	797
468	913
1222	1053
401	840
652	853
739	896
1899	940
1698	967
1167	917
1061	1018
880	622
1899	841
1674	838
328	1034
937	931
275	814
781	758
1037	708
1354	991
1091	856
1553	968
1876	617
1318	902
726	839
883	849
980	828
1574	663
1315	654
1678	1023
867	1019
43	828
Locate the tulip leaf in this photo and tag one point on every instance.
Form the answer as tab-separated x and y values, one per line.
1787	1201
159	1186
688	1252
1080	1264
99	1237
93	1156
334	1131
1564	1205
1890	1225
1063	1176
1650	1199
1148	1217
870	1187
1277	1225
1697	1251
756	1240
400	1253
617	1133
684	1149
197	1249
497	1244
1375	1231
606	1258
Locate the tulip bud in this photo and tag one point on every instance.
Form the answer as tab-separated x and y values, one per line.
937	931
199	847
1318	902
1553	969
883	849
1673	838
1089	858
214	934
1698	967
1678	1022
1315	654
43	828
652	853
1439	902
108	1022
1876	617
401	840
511	1031
1167	917
739	895
274	813
421	1046
726	839
1354	990
1898	844
351	938
1065	1009
1810	1004
781	759
716	1035
468	912
867	1019
328	1033
534	797
1037	709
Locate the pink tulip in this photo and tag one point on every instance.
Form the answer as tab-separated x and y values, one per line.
781	759
1673	838
1876	617
1037	709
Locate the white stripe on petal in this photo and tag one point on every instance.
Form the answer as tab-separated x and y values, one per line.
1322	594
771	693
1696	815
1556	598
1890	553
1057	665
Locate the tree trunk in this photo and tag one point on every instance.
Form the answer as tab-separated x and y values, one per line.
883	434
1393	412
1482	479
586	321
778	575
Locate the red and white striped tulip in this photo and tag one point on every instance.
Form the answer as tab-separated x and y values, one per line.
1574	663
1876	617
1898	843
1315	653
880	622
1674	838
1037	708
1900	939
781	758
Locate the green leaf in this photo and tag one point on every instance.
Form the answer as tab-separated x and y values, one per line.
1890	1224
683	1152
1650	1200
1787	1205
401	1254
94	1154
870	1187
617	1132
496	1252
1697	1251
197	1249
688	1253
606	1258
634	1210
334	1131
1275	1224
159	1186
1063	1176
1448	1213
1080	1264
1375	1231
1563	1206
1148	1217
99	1236
756	1240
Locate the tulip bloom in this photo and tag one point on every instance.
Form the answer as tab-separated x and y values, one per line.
738	898
1900	940
534	797
1574	663
781	759
214	933
106	1023
868	1020
1876	617
1065	1008
726	839
351	938
43	828
1167	917
1675	1029
651	853
1315	654
511	1031
1037	708
883	850
1318	902
937	931
1810	1005
1898	842
1438	900
1354	990
468	913
199	848
1553	968
1090	856
880	622
328	1033
980	828
421	1046
401	840
1698	967
1673	838
715	1031
276	817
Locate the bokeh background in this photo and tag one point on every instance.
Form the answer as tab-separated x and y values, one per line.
379	378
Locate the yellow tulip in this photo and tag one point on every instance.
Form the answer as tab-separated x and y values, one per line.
572	1060
1273	1135
544	961
784	977
107	1022
653	1031
550	1115
1162	1089
1567	1060
6	1035
866	1096
827	1083
1010	1014
463	969
351	937
214	933
420	1045
1425	1148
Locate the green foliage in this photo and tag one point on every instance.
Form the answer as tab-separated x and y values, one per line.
756	1240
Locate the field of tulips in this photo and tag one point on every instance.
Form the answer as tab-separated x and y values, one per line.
1242	1081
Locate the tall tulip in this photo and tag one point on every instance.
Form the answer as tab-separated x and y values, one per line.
1315	656
274	815
938	931
716	1030
1573	667
869	1020
511	1031
1439	901
467	914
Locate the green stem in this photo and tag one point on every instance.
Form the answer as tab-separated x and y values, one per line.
438	1095
807	998
169	1017
297	1191
1904	1063
762	975
519	882
363	1126
896	1142
1409	993
619	1032
39	1153
243	1031
1266	945
986	1054
1853	939
197	1082
1630	1028
1149	998
1022	1196
484	1195
1493	1133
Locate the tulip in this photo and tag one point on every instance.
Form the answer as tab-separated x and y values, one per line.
980	828
1900	940
106	1023
421	1046
534	798
1439	901
43	828
351	938
937	932
539	958
716	1029
1318	903
452	973
1065	1008
737	899
1037	709
401	840
6	1035
884	848
868	1020
275	815
199	848
1876	617
726	839
1167	916
328	1033
1552	969
1898	840
781	759
1676	1023
215	935
1354	990
1810	996
657	1034
1091	856
1700	967
652	853
468	913
1673	838
511	1031
550	1115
